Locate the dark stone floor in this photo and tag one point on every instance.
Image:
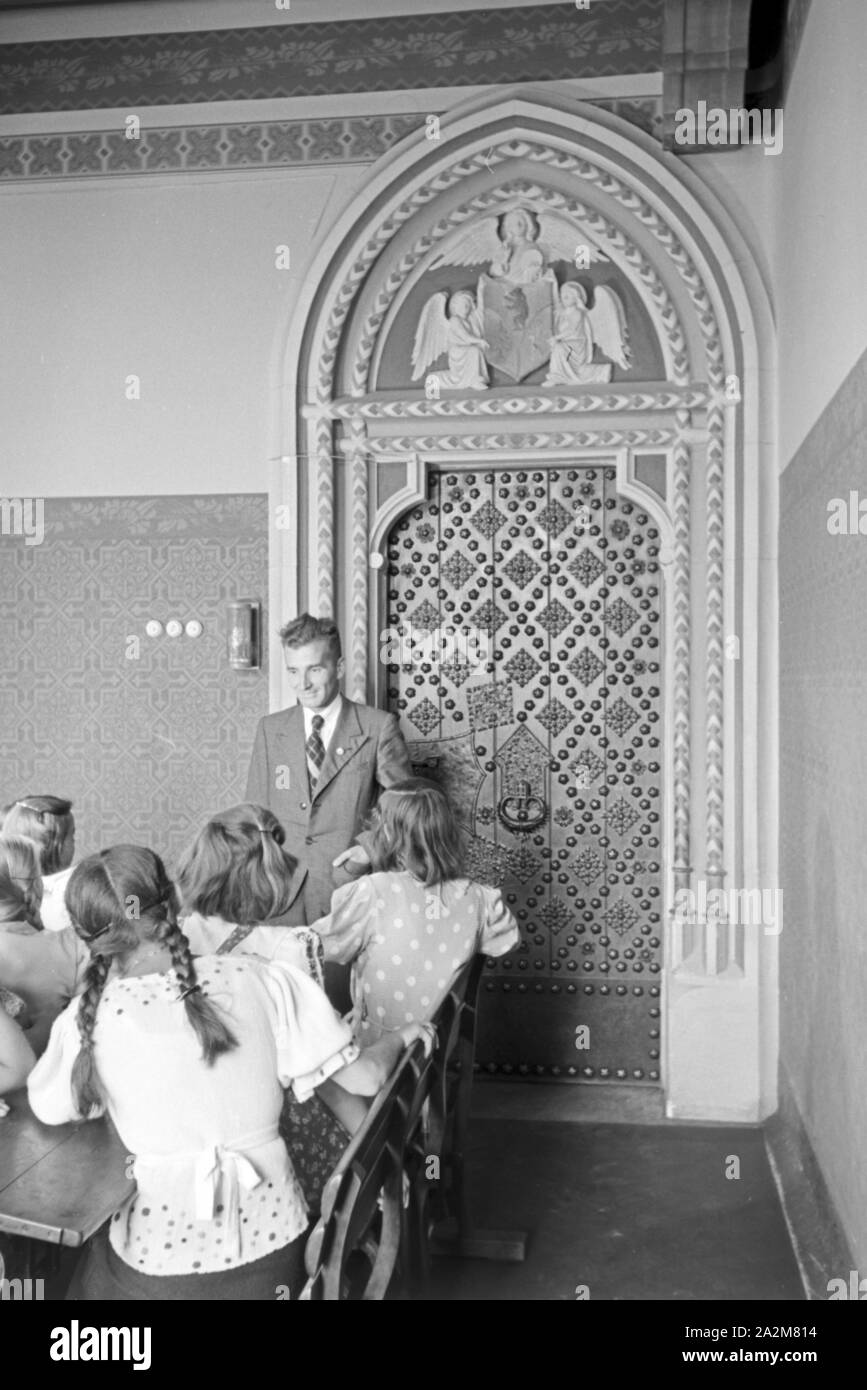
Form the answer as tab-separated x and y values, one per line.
630	1211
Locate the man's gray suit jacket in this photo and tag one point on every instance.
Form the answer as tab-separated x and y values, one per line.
366	754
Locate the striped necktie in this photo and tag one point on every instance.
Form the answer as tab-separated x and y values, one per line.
315	750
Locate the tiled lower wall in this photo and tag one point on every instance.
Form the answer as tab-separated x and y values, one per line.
823	758
147	744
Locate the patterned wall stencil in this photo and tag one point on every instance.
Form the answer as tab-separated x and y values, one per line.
266	145
550	748
532	43
148	745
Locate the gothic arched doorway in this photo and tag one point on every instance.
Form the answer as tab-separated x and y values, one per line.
388	411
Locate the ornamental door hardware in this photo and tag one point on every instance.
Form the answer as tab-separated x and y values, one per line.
522	810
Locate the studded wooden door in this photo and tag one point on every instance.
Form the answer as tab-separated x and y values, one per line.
550	750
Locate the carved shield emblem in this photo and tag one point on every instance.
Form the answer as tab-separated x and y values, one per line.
517	322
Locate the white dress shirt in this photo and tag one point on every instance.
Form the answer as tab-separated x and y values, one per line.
330	715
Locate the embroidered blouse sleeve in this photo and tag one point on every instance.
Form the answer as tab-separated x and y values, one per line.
348	927
49	1086
298	946
313	1042
499	931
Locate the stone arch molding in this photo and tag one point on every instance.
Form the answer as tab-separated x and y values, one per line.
353	459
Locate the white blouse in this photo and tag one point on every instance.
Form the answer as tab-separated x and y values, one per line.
299	946
215	1187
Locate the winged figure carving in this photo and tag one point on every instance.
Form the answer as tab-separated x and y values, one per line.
509	244
451	324
578	328
519	317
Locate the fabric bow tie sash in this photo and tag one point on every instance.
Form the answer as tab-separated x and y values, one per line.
223	1172
218	1174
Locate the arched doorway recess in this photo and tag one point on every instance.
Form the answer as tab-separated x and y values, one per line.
678	435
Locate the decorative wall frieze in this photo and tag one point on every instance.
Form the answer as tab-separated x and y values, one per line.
238	145
459	48
193	149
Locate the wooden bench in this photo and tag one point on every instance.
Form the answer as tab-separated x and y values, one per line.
403	1172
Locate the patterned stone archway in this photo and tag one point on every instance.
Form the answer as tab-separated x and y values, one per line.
356	458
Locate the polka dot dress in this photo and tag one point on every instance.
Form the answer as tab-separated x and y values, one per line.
406	942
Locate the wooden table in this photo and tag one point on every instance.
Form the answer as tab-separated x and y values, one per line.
58	1183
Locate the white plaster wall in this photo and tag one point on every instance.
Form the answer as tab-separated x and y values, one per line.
821	196
743	181
173	280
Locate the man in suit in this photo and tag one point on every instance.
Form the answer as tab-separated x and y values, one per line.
319	766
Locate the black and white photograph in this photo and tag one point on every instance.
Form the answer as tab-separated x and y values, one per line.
433	666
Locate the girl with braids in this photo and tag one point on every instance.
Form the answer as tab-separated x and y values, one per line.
48	822
45	968
235	875
413	922
189	1058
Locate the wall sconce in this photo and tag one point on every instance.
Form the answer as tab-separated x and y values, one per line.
243	628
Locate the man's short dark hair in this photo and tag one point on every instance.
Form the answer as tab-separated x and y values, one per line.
305	628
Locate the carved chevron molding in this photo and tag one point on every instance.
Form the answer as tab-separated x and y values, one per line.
564	439
495	406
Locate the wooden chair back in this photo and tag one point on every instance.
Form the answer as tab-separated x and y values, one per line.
435	1126
374	1211
353	1248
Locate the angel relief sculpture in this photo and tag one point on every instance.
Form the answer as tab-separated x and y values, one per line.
520	318
578	328
451	325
